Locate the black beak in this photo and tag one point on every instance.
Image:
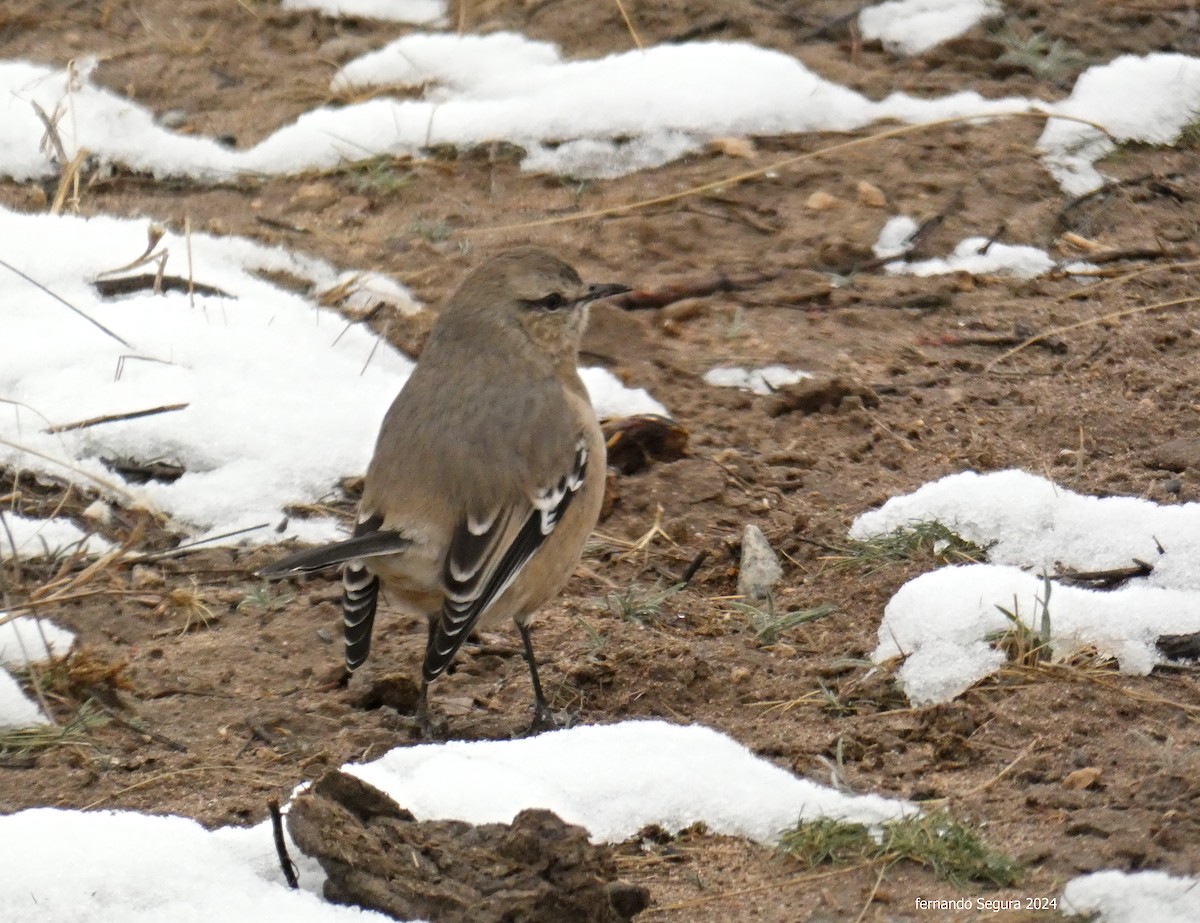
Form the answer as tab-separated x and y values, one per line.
603	290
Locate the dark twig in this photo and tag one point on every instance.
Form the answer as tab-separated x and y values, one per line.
1105	579
151	282
281	850
114	417
690	571
992	238
999	340
1179	647
95	323
117	718
281	225
701	30
649	299
832	549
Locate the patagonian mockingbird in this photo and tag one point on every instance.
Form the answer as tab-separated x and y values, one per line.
488	473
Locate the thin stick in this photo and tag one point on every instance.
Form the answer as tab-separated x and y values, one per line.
144	731
281	850
95	323
187	236
114	417
871	897
985	785
1124	277
778	165
16	558
69	181
52	135
690	571
629	25
1115	315
191	546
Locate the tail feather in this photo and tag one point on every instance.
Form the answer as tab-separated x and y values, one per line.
367	545
360	596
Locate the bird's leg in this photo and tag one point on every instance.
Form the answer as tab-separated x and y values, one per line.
424	722
543	717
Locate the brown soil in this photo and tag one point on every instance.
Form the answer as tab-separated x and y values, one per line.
238	700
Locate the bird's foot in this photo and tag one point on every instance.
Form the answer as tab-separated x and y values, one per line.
546	720
429	729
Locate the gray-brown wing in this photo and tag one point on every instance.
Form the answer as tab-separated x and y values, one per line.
487	554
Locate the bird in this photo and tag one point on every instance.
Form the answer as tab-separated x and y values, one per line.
488	472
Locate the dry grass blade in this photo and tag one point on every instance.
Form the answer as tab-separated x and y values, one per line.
68	184
115	417
95	323
629	24
1104	318
1124	277
96	567
14	741
918	541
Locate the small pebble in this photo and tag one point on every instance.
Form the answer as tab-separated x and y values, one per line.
760	569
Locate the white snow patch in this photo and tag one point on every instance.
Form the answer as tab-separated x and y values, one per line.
17	710
1030	526
978	256
1031	522
267	375
940	620
895	239
1134	897
974	255
614	780
612	399
35	538
137	868
588	118
602	117
910	27
75	865
1150	99
25	640
759	381
418	12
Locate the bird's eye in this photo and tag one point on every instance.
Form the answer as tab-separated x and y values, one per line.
551	302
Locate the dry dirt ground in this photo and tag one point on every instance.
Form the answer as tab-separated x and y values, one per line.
230	677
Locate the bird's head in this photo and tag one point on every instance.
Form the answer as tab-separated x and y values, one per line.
540	293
